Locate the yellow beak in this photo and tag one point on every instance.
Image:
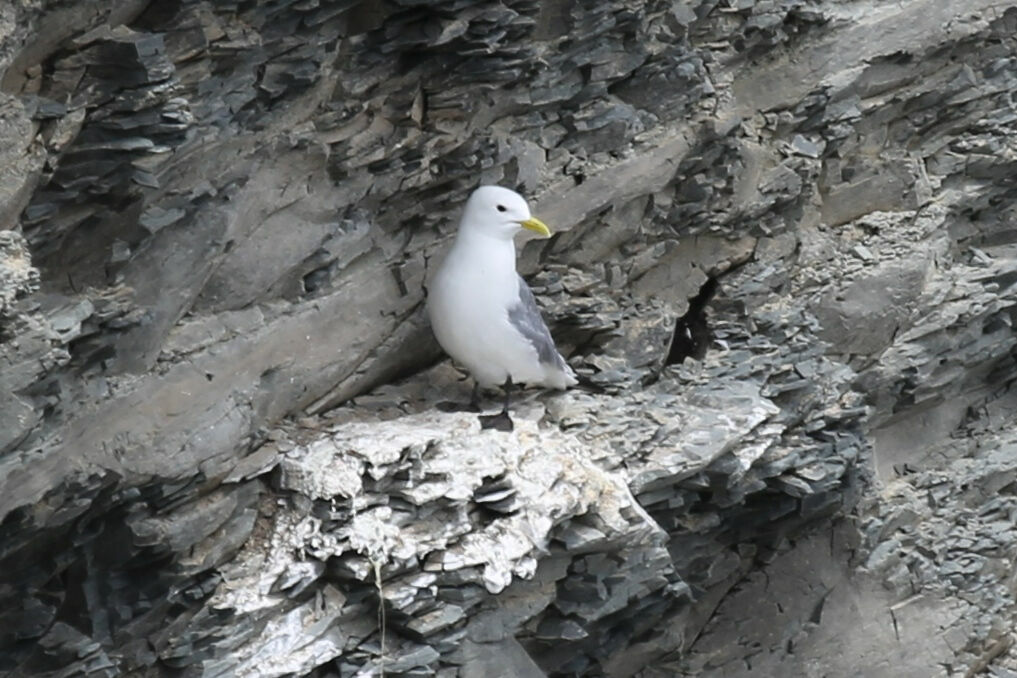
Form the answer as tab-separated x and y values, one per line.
537	226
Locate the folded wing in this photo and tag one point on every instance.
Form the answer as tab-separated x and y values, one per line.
525	317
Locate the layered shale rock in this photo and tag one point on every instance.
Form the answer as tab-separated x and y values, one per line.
784	267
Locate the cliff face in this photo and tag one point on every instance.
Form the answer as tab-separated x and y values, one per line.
785	258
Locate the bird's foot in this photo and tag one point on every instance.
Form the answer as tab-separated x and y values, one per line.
453	406
499	422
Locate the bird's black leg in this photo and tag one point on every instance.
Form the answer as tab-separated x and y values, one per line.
472	406
508	395
475	397
501	421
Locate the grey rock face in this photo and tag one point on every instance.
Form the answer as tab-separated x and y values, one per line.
784	267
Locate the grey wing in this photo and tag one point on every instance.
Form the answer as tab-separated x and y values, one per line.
525	317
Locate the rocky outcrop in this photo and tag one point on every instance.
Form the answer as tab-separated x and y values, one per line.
784	268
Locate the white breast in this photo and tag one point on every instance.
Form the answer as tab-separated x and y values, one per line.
468	301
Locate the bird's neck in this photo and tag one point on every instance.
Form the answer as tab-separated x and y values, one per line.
499	254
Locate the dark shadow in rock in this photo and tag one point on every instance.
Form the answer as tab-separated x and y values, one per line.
691	332
454	406
499	422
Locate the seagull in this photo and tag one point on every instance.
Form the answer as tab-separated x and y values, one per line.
483	313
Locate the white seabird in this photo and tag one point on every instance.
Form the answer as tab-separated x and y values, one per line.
483	313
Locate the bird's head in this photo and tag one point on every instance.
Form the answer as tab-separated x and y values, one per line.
499	212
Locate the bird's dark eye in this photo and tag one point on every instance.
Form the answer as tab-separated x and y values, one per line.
502	208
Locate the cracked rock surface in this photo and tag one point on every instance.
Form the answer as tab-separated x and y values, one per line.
784	265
